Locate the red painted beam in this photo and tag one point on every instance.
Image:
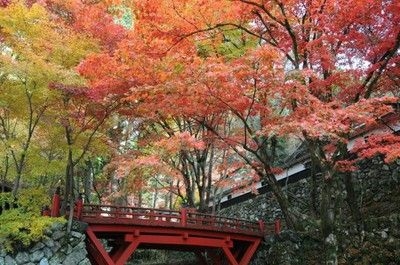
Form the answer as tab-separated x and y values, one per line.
98	246
250	252
91	254
128	251
109	214
129	227
116	228
229	256
237	251
180	240
94	255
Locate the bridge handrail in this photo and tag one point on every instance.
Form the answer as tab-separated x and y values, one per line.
184	217
126	212
222	221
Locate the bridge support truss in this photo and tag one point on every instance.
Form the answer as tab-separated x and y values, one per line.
222	247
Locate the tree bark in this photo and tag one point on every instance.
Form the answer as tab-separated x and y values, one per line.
328	220
69	171
283	202
88	180
351	200
69	183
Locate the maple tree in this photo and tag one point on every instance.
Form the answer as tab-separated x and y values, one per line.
320	69
42	44
211	83
35	52
86	109
83	123
188	149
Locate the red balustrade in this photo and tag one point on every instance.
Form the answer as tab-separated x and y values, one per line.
103	214
128	228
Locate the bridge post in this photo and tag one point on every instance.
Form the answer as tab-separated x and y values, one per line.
55	206
261	225
183	216
277	226
79	207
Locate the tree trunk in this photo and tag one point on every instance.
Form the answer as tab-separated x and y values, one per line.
314	187
32	123
4	174
189	191
140	199
351	200
328	221
88	181
19	168
209	181
155	196
171	195
201	191
283	202
69	182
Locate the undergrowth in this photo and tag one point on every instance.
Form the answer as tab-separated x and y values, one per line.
21	223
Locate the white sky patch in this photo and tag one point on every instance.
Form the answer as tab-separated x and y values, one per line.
343	62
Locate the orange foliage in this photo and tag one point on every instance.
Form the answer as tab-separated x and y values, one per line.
90	17
320	69
387	145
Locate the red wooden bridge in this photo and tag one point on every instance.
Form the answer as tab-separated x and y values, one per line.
222	240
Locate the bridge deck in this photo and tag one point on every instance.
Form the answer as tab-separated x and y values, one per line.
126	229
122	215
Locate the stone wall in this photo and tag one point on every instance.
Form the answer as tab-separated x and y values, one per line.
265	207
55	249
377	186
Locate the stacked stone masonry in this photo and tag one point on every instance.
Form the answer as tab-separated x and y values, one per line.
378	188
57	248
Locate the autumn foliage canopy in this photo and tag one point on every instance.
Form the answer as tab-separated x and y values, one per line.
228	77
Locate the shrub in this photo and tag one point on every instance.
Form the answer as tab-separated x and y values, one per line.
33	200
20	229
22	226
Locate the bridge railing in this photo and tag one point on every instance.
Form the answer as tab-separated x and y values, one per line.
130	213
164	217
225	223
